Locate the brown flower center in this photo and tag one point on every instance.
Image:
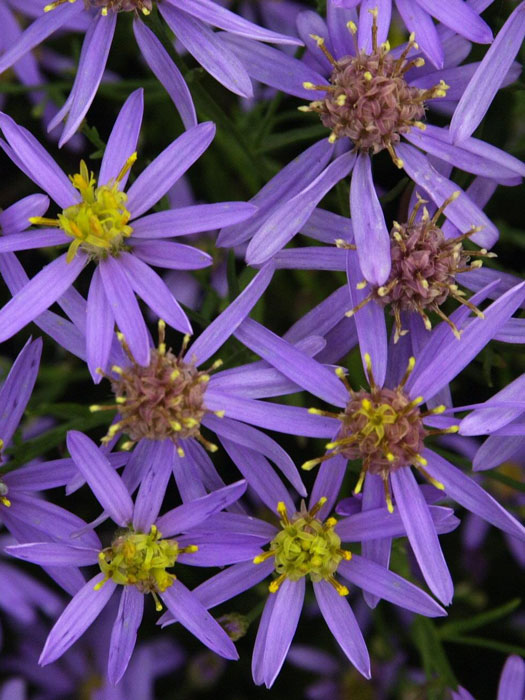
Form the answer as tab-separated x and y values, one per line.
382	427
368	99
163	400
424	269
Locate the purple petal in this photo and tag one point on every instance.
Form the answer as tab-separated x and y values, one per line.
54	554
154	291
166	72
238	548
125	308
419	22
321	318
16	217
122	142
471	496
184	517
512	682
288	219
99	327
462	212
328	483
422	534
288	182
174	256
17	387
153	485
486	419
101	477
39	293
153	183
218	16
187	609
496	450
187	477
36	238
284	419
259	648
76	618
231	582
370	232
192	219
209	50
91	65
254	439
377	550
487	80
461	18
38	164
273	67
369	321
364	34
257	471
38	31
281	627
460	156
226	323
384	583
124	632
341	620
433	371
293	363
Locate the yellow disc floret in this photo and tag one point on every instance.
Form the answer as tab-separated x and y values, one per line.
141	559
99	223
306	546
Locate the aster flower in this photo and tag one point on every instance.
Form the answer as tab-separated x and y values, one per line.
138	559
166	404
103	224
459	17
189	19
429	265
370	97
305	545
385	428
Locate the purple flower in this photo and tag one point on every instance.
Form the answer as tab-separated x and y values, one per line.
142	551
305	545
103	224
370	98
385	427
189	19
169	401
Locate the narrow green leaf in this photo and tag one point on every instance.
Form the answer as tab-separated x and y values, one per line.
452	629
431	651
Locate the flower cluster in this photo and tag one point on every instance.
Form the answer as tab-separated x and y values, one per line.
169	366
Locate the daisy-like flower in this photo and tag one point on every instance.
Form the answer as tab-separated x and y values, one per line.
167	404
304	545
385	427
139	558
103	224
457	16
370	97
189	19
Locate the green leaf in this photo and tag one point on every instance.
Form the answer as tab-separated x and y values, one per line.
452	629
433	655
488	644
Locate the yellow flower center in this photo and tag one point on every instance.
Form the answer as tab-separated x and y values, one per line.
141	559
306	546
99	223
